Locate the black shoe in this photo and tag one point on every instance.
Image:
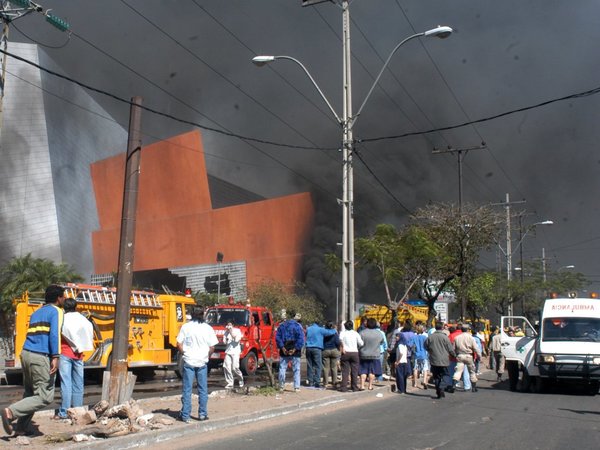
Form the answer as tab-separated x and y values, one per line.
202	418
473	387
450	389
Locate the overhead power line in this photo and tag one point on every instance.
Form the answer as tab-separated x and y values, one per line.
160	113
487	119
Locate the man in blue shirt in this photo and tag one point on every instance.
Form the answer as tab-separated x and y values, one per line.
39	361
290	340
314	352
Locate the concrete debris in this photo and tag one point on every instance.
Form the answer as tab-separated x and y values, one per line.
145	419
22	440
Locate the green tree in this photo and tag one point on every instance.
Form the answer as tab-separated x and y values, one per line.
31	274
277	297
458	237
27	274
383	251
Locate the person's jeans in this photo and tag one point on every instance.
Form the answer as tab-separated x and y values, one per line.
314	361
439	373
71	383
448	376
283	364
200	374
466	379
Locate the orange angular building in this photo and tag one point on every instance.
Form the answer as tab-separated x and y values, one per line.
176	225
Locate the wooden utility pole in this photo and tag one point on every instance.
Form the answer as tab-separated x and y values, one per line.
460	153
120	382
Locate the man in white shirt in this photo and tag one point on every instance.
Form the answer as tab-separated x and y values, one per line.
196	341
233	349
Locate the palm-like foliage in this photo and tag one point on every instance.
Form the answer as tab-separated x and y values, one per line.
31	274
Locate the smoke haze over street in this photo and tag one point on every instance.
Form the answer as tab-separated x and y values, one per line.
192	60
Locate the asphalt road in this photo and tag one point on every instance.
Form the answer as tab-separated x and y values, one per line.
493	418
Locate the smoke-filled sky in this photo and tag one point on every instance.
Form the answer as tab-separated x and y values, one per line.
191	59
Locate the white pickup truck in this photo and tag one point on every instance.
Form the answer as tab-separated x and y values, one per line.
567	346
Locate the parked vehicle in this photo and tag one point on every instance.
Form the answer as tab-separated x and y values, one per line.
258	329
567	346
155	321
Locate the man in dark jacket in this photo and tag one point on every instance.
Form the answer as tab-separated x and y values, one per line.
440	349
290	340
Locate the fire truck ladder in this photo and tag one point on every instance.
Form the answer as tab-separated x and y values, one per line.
108	296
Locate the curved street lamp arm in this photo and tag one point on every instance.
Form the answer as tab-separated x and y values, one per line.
340	121
382	70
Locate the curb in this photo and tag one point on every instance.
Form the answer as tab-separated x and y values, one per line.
152	437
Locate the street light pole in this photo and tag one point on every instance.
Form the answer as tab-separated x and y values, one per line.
348	288
460	157
347	122
508	254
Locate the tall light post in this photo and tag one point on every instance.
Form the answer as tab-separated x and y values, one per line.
520	247
347	121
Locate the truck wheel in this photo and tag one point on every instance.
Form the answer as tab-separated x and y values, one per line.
592	388
179	367
512	367
249	364
528	383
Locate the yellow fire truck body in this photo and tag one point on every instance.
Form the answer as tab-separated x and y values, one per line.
154	322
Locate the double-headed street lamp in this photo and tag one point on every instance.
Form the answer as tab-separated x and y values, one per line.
347	121
520	248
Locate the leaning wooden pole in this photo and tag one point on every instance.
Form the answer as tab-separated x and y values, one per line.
120	381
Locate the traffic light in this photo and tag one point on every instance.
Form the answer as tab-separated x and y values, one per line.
211	284
225	286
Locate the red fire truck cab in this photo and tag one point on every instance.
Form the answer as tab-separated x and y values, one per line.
258	334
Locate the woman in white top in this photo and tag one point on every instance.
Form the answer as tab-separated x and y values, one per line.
402	364
350	342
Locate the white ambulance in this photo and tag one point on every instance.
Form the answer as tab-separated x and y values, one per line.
567	346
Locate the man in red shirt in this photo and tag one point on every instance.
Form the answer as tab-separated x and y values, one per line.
454	331
77	337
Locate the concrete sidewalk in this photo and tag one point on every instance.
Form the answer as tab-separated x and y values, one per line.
225	409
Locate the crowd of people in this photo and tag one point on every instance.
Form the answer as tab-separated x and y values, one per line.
58	335
445	355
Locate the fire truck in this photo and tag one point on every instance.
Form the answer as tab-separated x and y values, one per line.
155	321
383	314
258	329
